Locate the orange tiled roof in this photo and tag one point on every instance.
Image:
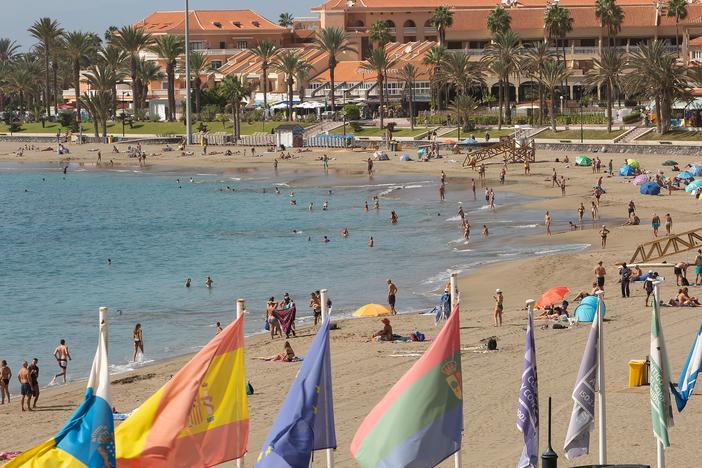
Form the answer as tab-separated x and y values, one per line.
457	4
208	21
245	62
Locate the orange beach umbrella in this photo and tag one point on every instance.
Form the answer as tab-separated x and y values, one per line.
371	310
552	296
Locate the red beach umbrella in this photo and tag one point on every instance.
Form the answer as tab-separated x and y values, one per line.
552	296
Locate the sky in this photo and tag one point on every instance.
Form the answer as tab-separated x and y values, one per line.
98	15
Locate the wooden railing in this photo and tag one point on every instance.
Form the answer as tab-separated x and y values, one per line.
667	246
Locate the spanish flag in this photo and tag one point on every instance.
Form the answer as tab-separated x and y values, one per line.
87	439
200	418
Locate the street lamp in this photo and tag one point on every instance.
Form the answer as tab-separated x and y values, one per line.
124	93
581	121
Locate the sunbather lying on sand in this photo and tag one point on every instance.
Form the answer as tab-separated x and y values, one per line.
683	299
287	355
385	334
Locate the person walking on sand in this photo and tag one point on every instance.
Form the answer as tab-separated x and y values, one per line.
668	224
62	356
600	274
5	376
273	322
547	223
655	224
527	169
581	212
499	307
472	186
562	184
138	336
554	178
698	268
603	235
625	273
34	381
392	296
370	166
594	211
25	386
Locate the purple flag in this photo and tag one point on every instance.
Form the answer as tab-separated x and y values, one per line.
528	408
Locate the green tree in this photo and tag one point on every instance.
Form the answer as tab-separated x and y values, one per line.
264	50
498	21
462	107
79	48
169	48
47	31
441	19
8	48
286	19
98	106
379	33
535	59
554	74
115	59
678	10
289	64
607	70
433	59
133	40
235	92
378	63
459	71
558	24
334	42
504	57
408	74
611	17
199	65
147	71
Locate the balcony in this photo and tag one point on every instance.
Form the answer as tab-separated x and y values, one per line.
392	30
430	30
220	51
410	30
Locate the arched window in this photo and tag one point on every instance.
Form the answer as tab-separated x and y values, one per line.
427	24
409	24
390	23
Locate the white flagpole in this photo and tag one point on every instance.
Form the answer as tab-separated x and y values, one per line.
660	450
188	121
601	416
325	314
240	307
454	301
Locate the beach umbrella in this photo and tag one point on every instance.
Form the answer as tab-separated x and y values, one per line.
585	312
696	170
421	152
650	188
583	161
626	170
684	175
633	163
670	162
693	185
551	296
640	179
372	310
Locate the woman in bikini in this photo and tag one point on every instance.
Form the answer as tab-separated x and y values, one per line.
5	375
138	341
499	307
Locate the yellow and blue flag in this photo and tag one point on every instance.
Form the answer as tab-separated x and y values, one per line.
305	422
87	439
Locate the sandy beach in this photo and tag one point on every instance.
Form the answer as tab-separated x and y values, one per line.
363	372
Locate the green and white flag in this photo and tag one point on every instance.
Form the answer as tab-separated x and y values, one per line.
661	407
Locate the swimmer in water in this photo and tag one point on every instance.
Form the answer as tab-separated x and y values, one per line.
370	241
393	217
365	206
109	261
311	207
191	180
277	191
208	282
376	204
325	239
293	202
325	205
486	233
187	282
345	232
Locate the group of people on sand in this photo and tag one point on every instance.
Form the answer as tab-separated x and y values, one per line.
280	316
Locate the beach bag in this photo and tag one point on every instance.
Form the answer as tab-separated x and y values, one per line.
492	344
419	336
249	388
684	281
266	325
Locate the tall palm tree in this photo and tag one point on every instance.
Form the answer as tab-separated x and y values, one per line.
109	32
463	107
264	50
303	73
408	74
534	61
656	74
46	31
498	21
169	48
8	48
78	48
235	92
199	65
504	56
379	33
147	71
554	74
607	70
378	62
289	64
115	59
334	41
678	10
22	79
286	19
558	24
98	106
461	72
441	19
133	40
434	58
611	17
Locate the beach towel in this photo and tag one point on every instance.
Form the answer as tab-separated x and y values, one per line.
286	317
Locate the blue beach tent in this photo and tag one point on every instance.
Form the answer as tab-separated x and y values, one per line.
626	170
585	312
695	170
650	188
693	185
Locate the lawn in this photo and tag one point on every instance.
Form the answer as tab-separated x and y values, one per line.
149	128
575	134
675	135
479	133
377	132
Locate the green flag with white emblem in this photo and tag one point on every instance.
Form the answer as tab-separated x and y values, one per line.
661	407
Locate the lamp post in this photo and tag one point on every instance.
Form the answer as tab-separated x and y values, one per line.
188	122
124	93
581	121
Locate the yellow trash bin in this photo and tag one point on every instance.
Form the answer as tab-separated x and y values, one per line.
638	373
399	147
109	139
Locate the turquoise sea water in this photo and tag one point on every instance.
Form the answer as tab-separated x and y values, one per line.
57	235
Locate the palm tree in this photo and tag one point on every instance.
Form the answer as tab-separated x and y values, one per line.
169	48
133	40
264	50
462	107
378	62
286	20
98	106
22	79
303	72
78	48
333	41
434	58
554	74
504	56
109	32
8	48
288	64
147	71
458	70
441	18
379	33
235	91
558	24
115	59
408	74
677	9
656	74
534	61
46	31
607	70
611	16
199	65
498	21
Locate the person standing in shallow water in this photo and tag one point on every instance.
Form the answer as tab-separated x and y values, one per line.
392	296
138	341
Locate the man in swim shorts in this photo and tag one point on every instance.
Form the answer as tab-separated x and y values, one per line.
34	380
25	386
600	273
392	292
698	268
62	356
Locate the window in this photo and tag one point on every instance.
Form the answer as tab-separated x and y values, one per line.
196	45
222	45
476	45
164	85
588	42
242	45
215	64
697	55
454	45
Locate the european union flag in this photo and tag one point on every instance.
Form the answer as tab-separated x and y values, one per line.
305	422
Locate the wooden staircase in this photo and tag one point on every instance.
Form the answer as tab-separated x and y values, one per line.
667	246
507	148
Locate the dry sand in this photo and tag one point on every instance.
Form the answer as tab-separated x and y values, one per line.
363	371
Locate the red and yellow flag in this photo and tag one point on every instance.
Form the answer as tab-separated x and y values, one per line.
200	418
